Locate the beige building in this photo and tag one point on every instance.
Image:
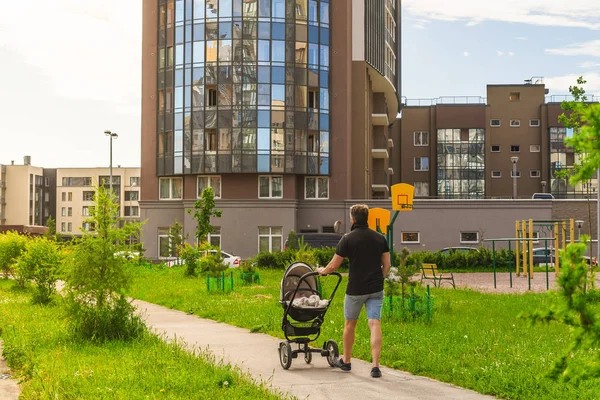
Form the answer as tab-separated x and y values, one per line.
75	192
24	195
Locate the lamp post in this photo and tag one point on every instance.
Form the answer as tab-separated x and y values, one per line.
543	186
111	135
579	224
514	161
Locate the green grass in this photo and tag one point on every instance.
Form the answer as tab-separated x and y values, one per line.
52	366
475	341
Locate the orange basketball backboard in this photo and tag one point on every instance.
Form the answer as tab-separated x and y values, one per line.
402	197
381	216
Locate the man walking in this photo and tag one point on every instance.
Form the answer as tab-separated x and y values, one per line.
369	257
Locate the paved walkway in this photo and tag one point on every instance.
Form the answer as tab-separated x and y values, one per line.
9	388
256	354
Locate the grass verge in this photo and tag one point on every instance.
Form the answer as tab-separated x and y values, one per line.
475	340
50	365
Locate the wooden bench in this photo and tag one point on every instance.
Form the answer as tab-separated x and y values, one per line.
430	272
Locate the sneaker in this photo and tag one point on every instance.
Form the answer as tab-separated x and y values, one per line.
376	372
339	363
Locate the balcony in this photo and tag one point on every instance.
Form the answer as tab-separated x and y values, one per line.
380	154
380	181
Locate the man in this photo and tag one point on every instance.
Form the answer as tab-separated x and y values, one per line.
369	257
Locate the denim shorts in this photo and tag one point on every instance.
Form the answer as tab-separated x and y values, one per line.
373	303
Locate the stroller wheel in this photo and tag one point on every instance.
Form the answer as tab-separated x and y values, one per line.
307	357
332	347
285	355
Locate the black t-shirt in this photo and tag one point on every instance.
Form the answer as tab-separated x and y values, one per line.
363	247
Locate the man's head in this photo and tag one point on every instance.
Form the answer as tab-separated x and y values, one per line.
359	213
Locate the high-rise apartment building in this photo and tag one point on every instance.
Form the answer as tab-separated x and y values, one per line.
286	108
464	147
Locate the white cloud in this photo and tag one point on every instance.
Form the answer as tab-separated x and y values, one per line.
560	84
591	48
419	26
589	64
521	38
583	13
499	53
510	54
466	54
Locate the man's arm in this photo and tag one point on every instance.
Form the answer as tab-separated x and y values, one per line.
334	264
385	262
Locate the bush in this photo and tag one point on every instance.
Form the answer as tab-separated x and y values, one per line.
292	241
41	263
266	260
213	265
11	246
190	256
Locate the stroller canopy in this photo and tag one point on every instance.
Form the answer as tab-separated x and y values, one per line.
290	281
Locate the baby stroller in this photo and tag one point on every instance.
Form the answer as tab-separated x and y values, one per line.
302	302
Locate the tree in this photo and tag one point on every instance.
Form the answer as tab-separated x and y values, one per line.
292	240
176	239
12	245
204	209
41	263
98	276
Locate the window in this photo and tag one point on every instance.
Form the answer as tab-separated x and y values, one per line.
411	237
63	211
88	196
70	227
70	211
534	148
421	163
164	247
132	195
313	99
515	96
496	174
70	196
534	122
515	175
534	173
76	181
134	181
64	196
316	188
515	123
170	188
46	182
270	238
469	237
421	189
211	140
495	148
494	122
211	97
421	139
214	238
213	182
270	187
132	211
85	211
515	148
63	227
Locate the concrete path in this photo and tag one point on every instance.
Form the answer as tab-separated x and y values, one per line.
9	388
257	354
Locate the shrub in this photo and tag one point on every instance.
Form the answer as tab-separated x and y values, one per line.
41	263
213	265
190	256
267	260
11	246
292	241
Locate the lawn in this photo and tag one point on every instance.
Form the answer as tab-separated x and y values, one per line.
52	366
475	340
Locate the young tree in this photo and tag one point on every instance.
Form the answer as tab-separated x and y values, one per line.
204	209
41	263
12	245
176	239
98	276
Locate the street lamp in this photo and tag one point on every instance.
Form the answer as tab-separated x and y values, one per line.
543	186
112	136
514	161
579	225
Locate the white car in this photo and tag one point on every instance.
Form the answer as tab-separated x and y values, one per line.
230	260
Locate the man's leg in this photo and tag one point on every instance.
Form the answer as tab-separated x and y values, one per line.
349	333
375	327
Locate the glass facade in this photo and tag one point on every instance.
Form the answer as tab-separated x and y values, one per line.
461	163
243	87
563	158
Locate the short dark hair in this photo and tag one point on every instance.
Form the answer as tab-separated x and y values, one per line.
360	213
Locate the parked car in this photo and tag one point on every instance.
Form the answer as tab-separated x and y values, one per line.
318	240
542	196
541	255
230	260
458	249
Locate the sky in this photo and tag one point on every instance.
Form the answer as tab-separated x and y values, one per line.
71	69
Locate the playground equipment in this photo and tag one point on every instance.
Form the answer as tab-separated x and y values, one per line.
525	230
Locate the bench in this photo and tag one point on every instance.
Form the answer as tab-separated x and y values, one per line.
430	272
